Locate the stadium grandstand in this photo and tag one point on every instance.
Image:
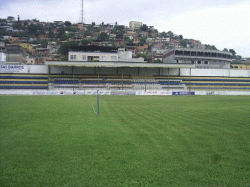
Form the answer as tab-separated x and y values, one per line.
115	69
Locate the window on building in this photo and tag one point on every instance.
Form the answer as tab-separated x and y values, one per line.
199	62
113	58
103	58
72	57
206	62
84	58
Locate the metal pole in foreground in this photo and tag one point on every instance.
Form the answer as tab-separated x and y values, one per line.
97	102
189	79
97	113
73	78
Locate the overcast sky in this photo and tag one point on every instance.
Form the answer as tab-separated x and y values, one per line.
223	23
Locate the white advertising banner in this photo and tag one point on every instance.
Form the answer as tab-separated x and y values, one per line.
11	68
107	92
153	92
222	92
16	92
34	69
94	92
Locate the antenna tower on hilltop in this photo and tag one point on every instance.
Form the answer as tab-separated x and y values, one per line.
82	13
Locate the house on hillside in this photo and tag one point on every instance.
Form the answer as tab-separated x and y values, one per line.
101	54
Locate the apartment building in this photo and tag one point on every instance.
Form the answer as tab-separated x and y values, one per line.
135	25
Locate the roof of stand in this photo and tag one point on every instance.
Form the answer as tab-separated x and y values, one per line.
117	64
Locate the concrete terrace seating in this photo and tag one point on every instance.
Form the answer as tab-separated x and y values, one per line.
114	82
216	83
170	84
63	82
23	81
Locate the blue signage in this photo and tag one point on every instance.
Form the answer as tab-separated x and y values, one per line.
183	93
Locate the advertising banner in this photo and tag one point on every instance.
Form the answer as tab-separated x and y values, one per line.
16	92
45	92
104	92
153	92
183	93
11	68
122	92
94	92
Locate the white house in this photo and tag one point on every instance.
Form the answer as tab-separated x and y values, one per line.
92	56
121	55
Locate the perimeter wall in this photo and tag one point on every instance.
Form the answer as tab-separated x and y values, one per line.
120	92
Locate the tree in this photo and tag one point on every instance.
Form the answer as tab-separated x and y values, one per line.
64	48
85	42
51	35
72	29
144	27
233	52
103	36
143	55
238	56
3	32
163	34
32	29
128	40
211	47
181	37
119	29
225	49
64	37
143	40
183	43
60	32
123	45
87	33
93	23
67	23
43	43
171	34
158	61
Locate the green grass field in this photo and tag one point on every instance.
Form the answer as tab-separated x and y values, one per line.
136	141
